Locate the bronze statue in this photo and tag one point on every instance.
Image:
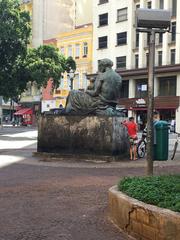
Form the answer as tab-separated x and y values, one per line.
100	99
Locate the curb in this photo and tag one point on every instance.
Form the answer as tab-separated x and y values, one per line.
142	221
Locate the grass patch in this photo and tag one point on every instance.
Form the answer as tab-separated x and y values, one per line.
162	191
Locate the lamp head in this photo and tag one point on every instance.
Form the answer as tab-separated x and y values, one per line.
153	18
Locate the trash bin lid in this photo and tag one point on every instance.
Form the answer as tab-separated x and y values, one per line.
161	124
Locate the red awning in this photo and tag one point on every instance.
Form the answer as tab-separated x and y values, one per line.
24	111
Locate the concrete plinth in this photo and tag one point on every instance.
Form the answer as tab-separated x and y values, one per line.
99	135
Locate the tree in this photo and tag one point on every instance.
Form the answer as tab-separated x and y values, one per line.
14	37
46	62
18	64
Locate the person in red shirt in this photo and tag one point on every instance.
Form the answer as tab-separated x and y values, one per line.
132	129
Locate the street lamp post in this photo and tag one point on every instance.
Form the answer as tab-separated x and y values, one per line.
150	151
151	21
71	77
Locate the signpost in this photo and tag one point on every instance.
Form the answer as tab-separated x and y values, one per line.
151	21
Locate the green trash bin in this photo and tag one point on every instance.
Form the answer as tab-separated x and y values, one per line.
161	141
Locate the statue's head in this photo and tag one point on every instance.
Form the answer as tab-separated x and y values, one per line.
104	63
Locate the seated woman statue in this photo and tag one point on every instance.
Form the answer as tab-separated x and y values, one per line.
99	100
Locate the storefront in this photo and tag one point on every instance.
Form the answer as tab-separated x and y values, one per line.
23	116
165	106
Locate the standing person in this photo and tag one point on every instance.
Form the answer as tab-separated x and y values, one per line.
132	129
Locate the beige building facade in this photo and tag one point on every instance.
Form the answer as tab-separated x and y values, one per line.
83	12
77	44
50	18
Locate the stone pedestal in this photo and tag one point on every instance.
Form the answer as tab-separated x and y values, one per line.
96	135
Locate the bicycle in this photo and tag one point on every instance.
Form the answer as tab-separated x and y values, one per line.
175	146
141	148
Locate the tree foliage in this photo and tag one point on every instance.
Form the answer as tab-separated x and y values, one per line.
18	64
46	62
14	38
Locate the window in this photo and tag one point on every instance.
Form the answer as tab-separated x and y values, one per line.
136	60
147	59
161	4
159	58
62	50
160	38
122	38
121	14
103	1
148	4
124	92
173	36
69	51
137	6
103	19
103	42
85	49
173	56
121	62
141	88
167	86
174	7
77	52
137	39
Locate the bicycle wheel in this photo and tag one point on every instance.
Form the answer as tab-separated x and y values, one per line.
174	150
141	149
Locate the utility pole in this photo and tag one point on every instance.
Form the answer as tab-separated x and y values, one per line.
151	21
150	129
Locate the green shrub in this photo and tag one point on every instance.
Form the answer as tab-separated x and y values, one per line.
162	191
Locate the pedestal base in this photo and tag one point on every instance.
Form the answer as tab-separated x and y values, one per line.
99	135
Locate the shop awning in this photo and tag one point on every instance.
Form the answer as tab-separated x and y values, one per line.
23	111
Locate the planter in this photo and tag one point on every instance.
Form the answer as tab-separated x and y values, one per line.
141	220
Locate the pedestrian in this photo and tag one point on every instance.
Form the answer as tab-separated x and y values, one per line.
132	129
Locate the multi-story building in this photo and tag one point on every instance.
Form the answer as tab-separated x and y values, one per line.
50	18
83	12
47	21
77	44
115	37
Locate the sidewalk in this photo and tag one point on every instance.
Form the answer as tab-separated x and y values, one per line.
75	161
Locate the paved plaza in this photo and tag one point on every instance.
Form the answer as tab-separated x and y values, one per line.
65	199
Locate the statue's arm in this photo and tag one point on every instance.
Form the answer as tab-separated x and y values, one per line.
94	93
